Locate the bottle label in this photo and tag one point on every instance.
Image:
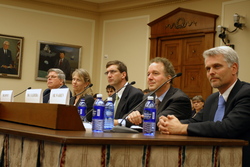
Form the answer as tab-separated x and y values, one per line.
149	114
98	112
109	113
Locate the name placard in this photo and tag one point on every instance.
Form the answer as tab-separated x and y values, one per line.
59	96
33	96
7	96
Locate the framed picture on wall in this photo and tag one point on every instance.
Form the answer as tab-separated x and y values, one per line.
11	48
56	55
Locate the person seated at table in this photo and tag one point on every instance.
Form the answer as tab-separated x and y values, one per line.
80	80
226	113
127	96
55	80
198	103
168	100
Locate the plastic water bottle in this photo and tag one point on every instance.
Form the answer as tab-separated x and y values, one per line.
98	114
149	117
82	109
109	115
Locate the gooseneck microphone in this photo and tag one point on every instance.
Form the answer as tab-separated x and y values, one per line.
89	86
131	83
22	92
121	129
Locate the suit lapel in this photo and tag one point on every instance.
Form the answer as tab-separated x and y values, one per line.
214	107
122	101
165	99
232	94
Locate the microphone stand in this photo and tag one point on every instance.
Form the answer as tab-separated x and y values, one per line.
122	129
89	86
22	91
132	83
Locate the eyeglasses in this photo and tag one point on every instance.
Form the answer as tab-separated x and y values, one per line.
51	76
194	102
111	72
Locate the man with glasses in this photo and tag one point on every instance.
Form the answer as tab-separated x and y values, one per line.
55	80
126	97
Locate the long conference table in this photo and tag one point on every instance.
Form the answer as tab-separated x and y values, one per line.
28	145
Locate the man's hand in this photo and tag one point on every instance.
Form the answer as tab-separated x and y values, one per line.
115	122
4	66
135	117
171	125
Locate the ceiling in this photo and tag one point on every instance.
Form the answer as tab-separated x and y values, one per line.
99	1
104	6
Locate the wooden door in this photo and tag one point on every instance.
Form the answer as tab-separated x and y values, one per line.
186	57
182	35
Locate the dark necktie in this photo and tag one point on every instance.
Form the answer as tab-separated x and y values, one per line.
157	103
60	63
220	110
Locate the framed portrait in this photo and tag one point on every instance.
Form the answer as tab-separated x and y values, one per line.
56	55
11	56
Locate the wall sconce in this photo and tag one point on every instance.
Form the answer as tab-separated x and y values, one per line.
237	21
222	30
222	33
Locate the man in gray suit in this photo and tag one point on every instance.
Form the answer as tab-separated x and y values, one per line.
170	100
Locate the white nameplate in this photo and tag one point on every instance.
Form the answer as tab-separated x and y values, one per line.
33	96
59	96
7	96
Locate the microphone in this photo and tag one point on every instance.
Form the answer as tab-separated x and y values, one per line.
131	83
121	129
89	86
22	91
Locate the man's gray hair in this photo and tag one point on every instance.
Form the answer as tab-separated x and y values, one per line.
59	72
230	56
5	42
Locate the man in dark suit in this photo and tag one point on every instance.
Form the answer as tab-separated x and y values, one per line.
226	113
170	100
6	59
63	64
55	80
127	96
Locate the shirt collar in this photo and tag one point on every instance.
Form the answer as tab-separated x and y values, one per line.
122	90
227	92
162	96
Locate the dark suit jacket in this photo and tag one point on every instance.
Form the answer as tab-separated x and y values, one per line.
175	102
5	59
235	123
89	100
130	98
65	67
46	94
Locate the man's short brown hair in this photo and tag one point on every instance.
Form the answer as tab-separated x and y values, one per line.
120	66
168	67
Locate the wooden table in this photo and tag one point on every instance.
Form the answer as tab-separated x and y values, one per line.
26	145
